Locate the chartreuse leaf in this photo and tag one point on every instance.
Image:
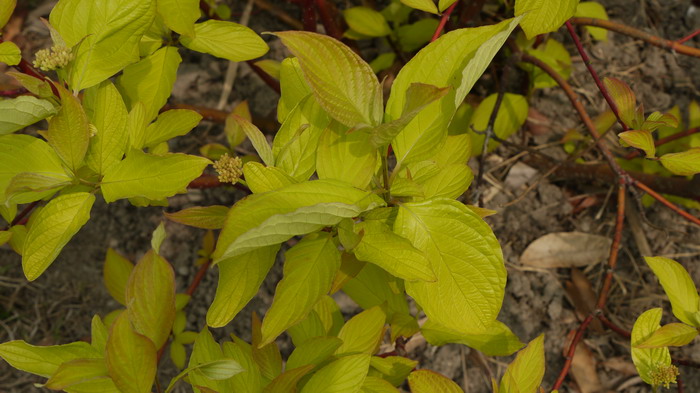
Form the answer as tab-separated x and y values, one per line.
249	380
366	21
107	112
640	139
373	286
313	351
170	124
679	288
593	9
136	124
23	111
22	154
99	334
226	40
554	54
344	375
150	176
131	358
377	385
309	269
10	53
624	99
257	138
497	340
5	237
179	15
393	253
216	370
511	116
116	274
418	96
544	16
263	219
465	257
239	280
6	9
423	5
78	371
526	372
150	298
363	332
206	217
649	361
205	351
110	33
68	132
355	97
270	67
467	53
29	187
427	381
293	85
44	361
671	335
150	81
287	381
261	178
382	62
266	356
415	35
444	4
394	369
686	163
346	155
50	229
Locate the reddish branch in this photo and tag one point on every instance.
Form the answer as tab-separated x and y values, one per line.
689	36
443	21
663	141
26	68
632	32
327	13
198	277
308	15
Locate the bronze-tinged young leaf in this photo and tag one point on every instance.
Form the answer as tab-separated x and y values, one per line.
640	139
427	381
671	335
76	372
648	360
686	163
345	375
205	217
116	274
50	229
131	358
150	298
309	269
541	17
527	370
226	40
44	360
679	288
624	98
68	132
342	82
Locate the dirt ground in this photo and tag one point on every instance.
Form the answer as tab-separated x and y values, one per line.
57	307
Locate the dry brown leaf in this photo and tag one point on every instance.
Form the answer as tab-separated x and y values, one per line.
583	297
583	370
566	249
621	365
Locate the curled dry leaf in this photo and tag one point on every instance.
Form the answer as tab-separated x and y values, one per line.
583	369
566	249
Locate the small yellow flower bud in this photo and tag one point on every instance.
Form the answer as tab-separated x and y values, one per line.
229	168
664	375
53	58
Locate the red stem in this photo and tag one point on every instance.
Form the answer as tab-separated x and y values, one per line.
332	28
443	21
622	332
689	36
26	68
308	15
664	141
13	93
269	81
198	277
666	202
572	351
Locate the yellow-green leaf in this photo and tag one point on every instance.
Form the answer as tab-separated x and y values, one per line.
179	15
345	375
131	358
363	332
107	112
99	334
266	356
170	124
373	286
686	163
648	360
309	269
271	67
640	139
206	217
116	274
205	351
287	381
394	369
346	155
366	21
150	81
671	335
428	381
9	52
50	229
593	9
679	288
226	40
624	98
423	5
44	360
30	187
150	298
151	176
77	371
257	138
544	16
465	257
5	237
6	9
342	82
555	55
261	178
527	370
313	351
250	380
293	85
497	340
511	116
377	385
23	111
68	132
444	4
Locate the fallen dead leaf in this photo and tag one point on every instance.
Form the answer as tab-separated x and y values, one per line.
621	365
582	297
583	370
566	249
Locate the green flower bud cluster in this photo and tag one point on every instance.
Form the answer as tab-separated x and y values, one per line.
229	168
53	58
664	375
